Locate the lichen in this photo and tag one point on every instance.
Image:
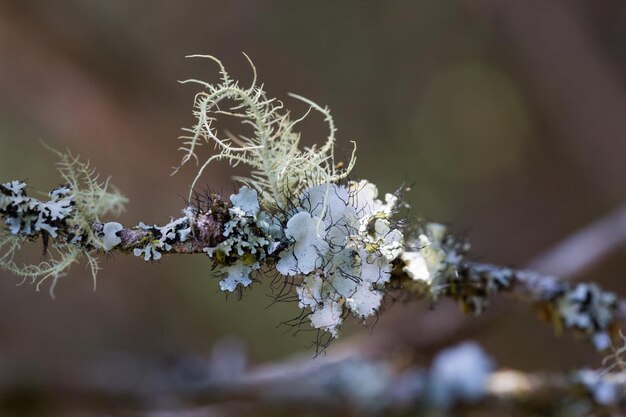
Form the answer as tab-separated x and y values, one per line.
64	222
337	241
431	258
588	309
251	236
341	243
302	256
110	239
26	216
93	198
459	373
296	215
160	239
280	169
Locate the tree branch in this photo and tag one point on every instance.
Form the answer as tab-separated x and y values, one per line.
237	236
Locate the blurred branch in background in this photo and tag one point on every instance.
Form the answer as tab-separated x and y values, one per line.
583	250
460	378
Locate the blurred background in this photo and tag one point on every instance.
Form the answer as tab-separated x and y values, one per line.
505	117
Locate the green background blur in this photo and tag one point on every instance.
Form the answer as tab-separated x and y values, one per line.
506	117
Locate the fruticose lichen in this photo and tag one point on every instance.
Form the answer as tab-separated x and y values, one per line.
280	169
65	222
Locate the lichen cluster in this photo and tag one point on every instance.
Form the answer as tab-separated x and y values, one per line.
64	222
342	244
159	239
280	168
251	236
435	261
297	215
27	216
336	241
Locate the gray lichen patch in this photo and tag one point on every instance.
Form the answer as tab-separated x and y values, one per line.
160	239
250	237
27	216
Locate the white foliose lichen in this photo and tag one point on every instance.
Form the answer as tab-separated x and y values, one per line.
430	259
238	274
110	238
161	238
251	236
28	216
425	260
342	242
68	218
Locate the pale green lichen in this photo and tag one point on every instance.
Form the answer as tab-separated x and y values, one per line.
280	169
94	198
333	240
238	274
67	219
306	234
341	235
